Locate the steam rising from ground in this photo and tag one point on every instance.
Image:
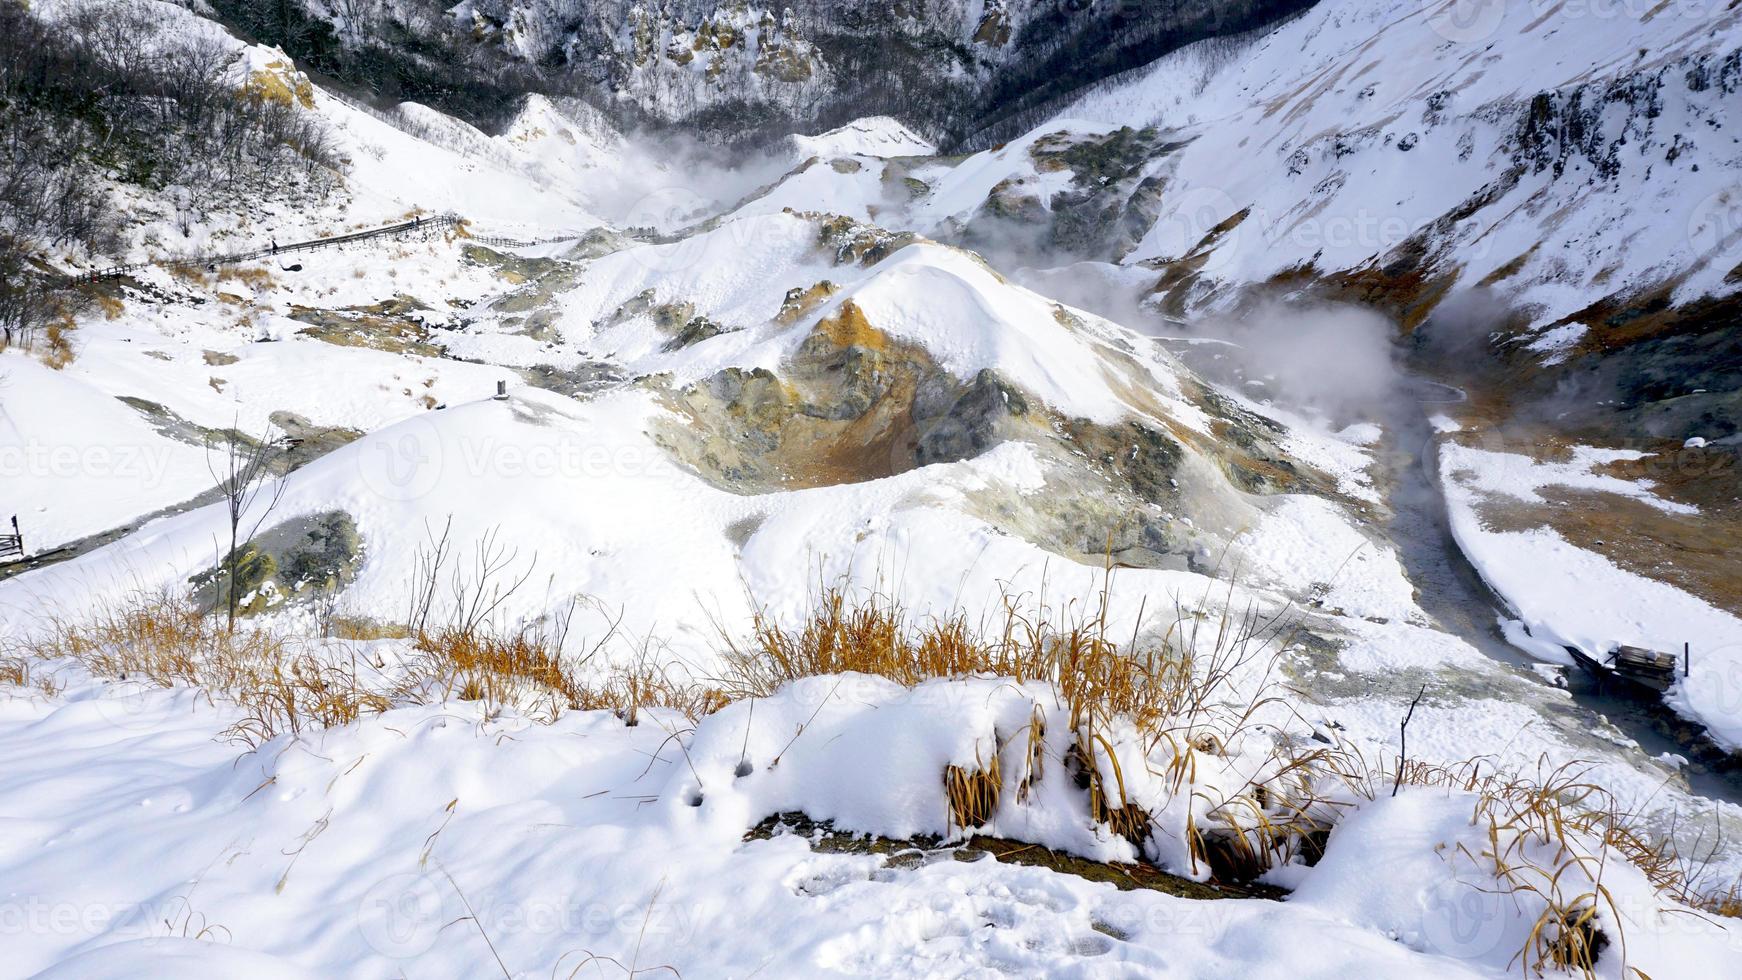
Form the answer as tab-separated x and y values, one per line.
1334	360
669	182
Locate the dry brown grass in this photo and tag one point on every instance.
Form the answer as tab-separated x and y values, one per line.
57	350
363	628
1548	835
1188	694
973	793
1525	819
479	665
1119	814
1190	691
287	682
251	276
1177	682
165	639
187	271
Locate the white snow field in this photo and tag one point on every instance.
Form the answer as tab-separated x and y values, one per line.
440	842
158	831
1356	126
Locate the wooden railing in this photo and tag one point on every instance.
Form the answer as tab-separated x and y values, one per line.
12	545
332	241
230	258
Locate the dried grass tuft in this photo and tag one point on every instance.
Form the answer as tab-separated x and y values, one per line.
1188	695
165	639
973	793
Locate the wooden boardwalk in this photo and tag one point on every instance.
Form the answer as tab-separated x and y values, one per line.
398	230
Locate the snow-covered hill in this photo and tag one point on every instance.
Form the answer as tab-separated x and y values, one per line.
1134	367
1540	199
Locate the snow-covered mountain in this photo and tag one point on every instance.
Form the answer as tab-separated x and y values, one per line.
736	69
1353	363
1563	251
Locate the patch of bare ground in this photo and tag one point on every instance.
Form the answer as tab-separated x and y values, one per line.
384	326
1621	319
1693	552
1410	281
843	413
825	838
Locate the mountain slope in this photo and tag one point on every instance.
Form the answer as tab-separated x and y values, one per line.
737	71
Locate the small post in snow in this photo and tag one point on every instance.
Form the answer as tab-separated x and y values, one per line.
1687	658
501	391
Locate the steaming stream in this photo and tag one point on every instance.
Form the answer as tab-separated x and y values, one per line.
1449	587
1452	591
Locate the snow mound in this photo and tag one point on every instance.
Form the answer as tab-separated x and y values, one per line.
368	846
872	136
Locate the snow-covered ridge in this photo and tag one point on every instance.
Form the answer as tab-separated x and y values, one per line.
874	136
1547	153
709	416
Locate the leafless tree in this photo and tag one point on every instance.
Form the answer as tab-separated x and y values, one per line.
476	592
426	576
243	469
491	583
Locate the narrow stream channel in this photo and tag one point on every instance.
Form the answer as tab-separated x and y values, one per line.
1453	593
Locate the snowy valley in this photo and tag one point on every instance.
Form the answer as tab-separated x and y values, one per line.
980	488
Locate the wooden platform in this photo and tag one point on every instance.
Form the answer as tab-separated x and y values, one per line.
1652	669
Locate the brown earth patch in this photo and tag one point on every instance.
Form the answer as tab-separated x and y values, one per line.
825	838
1692	552
382	326
841	414
800	301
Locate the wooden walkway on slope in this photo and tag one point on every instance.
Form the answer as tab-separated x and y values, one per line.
400	229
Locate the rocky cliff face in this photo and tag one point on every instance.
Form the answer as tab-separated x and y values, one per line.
739	70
